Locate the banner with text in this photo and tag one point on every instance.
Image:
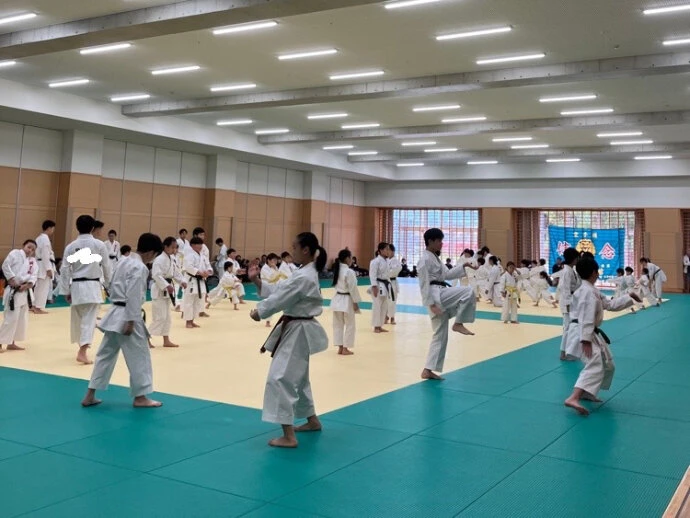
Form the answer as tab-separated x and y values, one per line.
607	245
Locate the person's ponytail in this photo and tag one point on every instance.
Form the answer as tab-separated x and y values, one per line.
321	259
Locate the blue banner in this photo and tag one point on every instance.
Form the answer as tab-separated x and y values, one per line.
607	245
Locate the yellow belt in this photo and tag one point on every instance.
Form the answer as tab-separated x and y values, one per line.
512	292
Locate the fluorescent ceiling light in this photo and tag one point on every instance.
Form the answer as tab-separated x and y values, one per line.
560	160
408	3
529	146
587	112
360	126
235	122
227	88
176	70
311	54
420	143
569	98
441	150
620	134
17	18
471	34
8	63
245	27
512	139
478	118
344	146
631	142
670	43
132	97
410	164
326	116
73	82
657	157
275	131
665	10
483	162
355	75
524	57
440	107
105	48
362	153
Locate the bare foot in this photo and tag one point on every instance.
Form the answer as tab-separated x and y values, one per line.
242	302
563	356
312	425
90	401
83	359
169	344
590	397
177	308
393	322
573	403
1	349
460	328
191	325
430	375
380	330
208	305
536	305
151	346
283	442
37	311
515	322
345	351
14	347
204	314
144	402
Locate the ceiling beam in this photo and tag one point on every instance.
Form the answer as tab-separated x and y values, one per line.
581	71
600	122
511	154
151	22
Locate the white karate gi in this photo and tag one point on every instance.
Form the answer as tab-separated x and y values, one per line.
523	279
598	370
87	295
342	305
182	245
220	260
128	286
458	302
378	274
619	289
508	284
569	282
194	296
534	277
288	390
540	290
645	290
22	269
394	268
493	286
228	284
481	277
236	268
164	273
629	285
287	269
657	278
113	252
45	258
471	273
271	275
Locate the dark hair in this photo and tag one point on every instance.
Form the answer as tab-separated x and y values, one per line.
219	241
570	255
391	247
493	259
126	249
486	250
29	241
620	270
629	269
284	255
589	255
310	241
169	241
85	224
542	262
585	267
228	264
545	275
342	255
645	271
644	260
182	230
49	223
197	231
196	241
272	256
149	242
433	234
382	246
481	260
98	224
231	250
525	263
111	231
510	263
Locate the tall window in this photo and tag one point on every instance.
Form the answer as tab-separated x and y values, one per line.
591	220
461	229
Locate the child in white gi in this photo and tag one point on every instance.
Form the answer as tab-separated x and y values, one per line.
197	270
657	278
631	286
296	336
345	303
381	289
567	284
493	290
124	328
394	268
165	275
645	288
270	273
508	286
541	290
21	272
229	285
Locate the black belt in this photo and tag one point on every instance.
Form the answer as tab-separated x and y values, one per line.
85	279
387	284
28	297
597	330
341	293
440	283
285	320
393	278
198	282
124	304
113	256
172	295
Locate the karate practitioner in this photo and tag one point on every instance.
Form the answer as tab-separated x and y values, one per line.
598	371
228	285
541	290
296	336
80	283
237	270
508	287
629	285
394	268
270	274
113	248
345	303
197	269
221	257
443	301
165	273
182	245
380	288
46	268
468	256
493	288
287	265
97	231
567	284
20	271
657	278
124	328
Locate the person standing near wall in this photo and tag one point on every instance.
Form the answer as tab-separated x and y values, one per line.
46	268
686	271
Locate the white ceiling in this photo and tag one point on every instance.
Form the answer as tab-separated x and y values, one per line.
402	43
